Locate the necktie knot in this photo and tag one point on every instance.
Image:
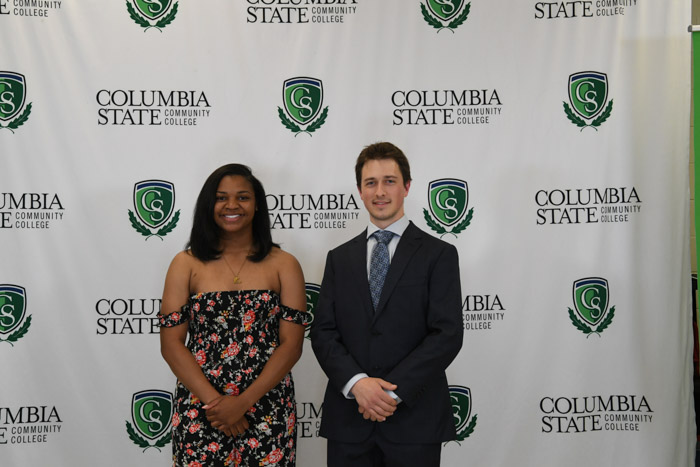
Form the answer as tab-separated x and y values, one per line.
383	236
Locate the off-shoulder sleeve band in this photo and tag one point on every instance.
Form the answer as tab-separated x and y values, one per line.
295	316
175	318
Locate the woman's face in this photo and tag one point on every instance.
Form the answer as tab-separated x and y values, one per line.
234	208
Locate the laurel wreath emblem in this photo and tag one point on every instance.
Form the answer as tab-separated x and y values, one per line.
19	121
439	25
142	443
464	434
144	23
468	430
148	233
441	230
581	123
581	326
18	334
315	125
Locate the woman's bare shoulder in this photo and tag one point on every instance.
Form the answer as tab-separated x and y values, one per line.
185	261
282	259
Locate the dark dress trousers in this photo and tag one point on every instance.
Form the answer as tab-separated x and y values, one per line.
409	340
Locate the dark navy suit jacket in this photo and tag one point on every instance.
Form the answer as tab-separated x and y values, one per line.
410	340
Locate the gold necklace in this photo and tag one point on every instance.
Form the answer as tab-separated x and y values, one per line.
236	275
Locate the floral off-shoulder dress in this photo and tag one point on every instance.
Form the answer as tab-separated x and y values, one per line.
231	335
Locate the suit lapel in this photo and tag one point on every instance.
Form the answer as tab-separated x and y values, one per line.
407	247
358	268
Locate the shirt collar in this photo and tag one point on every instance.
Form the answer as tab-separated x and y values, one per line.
397	228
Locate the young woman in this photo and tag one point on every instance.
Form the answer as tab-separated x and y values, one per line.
239	298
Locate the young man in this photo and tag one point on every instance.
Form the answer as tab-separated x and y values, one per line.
387	324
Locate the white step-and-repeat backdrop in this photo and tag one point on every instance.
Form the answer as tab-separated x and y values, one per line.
549	144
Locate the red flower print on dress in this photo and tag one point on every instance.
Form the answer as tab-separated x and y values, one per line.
265	297
194	428
248	339
194	464
253	443
290	423
195	307
231	389
252	352
234	457
232	350
248	319
192	413
272	458
215	373
176	419
189	452
214	337
213	447
201	357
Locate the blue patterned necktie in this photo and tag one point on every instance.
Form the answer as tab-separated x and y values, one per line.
379	264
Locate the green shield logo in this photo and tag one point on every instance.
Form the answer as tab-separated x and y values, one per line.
591	299
154	201
461	398
445	9
448	199
303	98
588	93
13	90
312	292
13	305
152	9
152	412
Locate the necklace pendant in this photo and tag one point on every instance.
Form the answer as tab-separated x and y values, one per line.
236	280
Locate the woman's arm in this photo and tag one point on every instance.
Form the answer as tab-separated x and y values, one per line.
287	353
172	340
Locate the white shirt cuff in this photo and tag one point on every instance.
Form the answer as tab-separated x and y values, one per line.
348	386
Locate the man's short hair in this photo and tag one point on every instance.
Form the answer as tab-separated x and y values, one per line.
379	151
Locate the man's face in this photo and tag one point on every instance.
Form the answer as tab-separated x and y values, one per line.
383	191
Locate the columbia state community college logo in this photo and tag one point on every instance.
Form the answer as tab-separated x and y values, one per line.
14	323
154	203
445	14
591	297
461	398
151	413
303	100
448	198
588	94
152	13
13	93
312	292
